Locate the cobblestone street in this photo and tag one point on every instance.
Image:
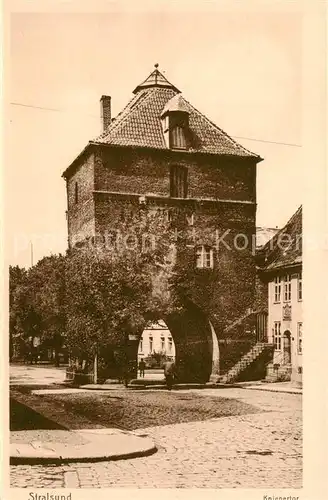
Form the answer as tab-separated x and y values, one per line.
248	451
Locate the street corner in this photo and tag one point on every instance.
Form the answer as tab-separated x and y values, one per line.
85	445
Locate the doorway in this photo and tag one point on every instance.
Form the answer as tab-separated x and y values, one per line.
287	347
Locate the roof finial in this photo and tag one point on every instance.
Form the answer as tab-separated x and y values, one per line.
156	72
155	79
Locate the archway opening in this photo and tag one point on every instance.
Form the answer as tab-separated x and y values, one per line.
188	338
156	346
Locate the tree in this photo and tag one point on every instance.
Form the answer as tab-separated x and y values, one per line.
98	294
110	289
47	291
16	279
37	302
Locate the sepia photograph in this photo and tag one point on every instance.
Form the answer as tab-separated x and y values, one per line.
154	249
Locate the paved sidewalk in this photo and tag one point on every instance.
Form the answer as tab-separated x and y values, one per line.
89	445
41	375
71	390
36	375
286	387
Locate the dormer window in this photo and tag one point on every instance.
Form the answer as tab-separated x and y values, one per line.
175	123
175	126
178	138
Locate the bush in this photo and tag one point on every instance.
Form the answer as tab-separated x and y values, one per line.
156	360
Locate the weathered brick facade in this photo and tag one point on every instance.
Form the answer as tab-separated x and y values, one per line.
109	181
80	212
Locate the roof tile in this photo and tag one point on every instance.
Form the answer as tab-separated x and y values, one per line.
285	248
139	124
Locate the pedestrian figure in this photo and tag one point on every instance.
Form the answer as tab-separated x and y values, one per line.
142	366
169	373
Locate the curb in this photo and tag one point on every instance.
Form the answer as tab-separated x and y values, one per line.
141	387
282	391
178	387
26	460
101	387
27	454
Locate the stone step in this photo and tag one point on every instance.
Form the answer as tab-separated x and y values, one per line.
246	361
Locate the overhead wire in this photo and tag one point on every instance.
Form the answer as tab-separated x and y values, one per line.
58	110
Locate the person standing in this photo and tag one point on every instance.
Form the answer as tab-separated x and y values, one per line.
169	373
142	366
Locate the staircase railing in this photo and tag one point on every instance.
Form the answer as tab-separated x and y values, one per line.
239	320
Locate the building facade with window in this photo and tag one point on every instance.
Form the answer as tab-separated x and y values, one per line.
161	154
157	338
283	274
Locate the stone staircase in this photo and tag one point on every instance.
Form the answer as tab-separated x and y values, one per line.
258	350
249	312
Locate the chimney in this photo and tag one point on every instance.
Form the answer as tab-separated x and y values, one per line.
105	109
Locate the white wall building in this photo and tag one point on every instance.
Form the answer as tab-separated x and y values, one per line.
156	338
286	325
285	301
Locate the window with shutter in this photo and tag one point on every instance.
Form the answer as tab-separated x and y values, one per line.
178	181
178	138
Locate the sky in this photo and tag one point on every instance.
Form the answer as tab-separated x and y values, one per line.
242	69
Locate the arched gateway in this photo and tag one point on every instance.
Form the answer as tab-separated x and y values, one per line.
195	343
161	153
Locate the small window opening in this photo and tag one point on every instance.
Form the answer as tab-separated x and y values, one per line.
178	181
204	257
76	193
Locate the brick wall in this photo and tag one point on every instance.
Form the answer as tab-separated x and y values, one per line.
80	215
224	293
146	171
261	292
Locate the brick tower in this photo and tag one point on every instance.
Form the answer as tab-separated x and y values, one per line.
162	152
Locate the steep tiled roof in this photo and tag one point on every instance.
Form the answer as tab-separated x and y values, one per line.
139	124
264	234
285	248
177	103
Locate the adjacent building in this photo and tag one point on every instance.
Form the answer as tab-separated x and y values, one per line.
281	271
156	339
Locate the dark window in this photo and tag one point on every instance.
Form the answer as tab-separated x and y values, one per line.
288	288
178	181
277	289
277	335
204	257
76	193
299	287
299	338
178	138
